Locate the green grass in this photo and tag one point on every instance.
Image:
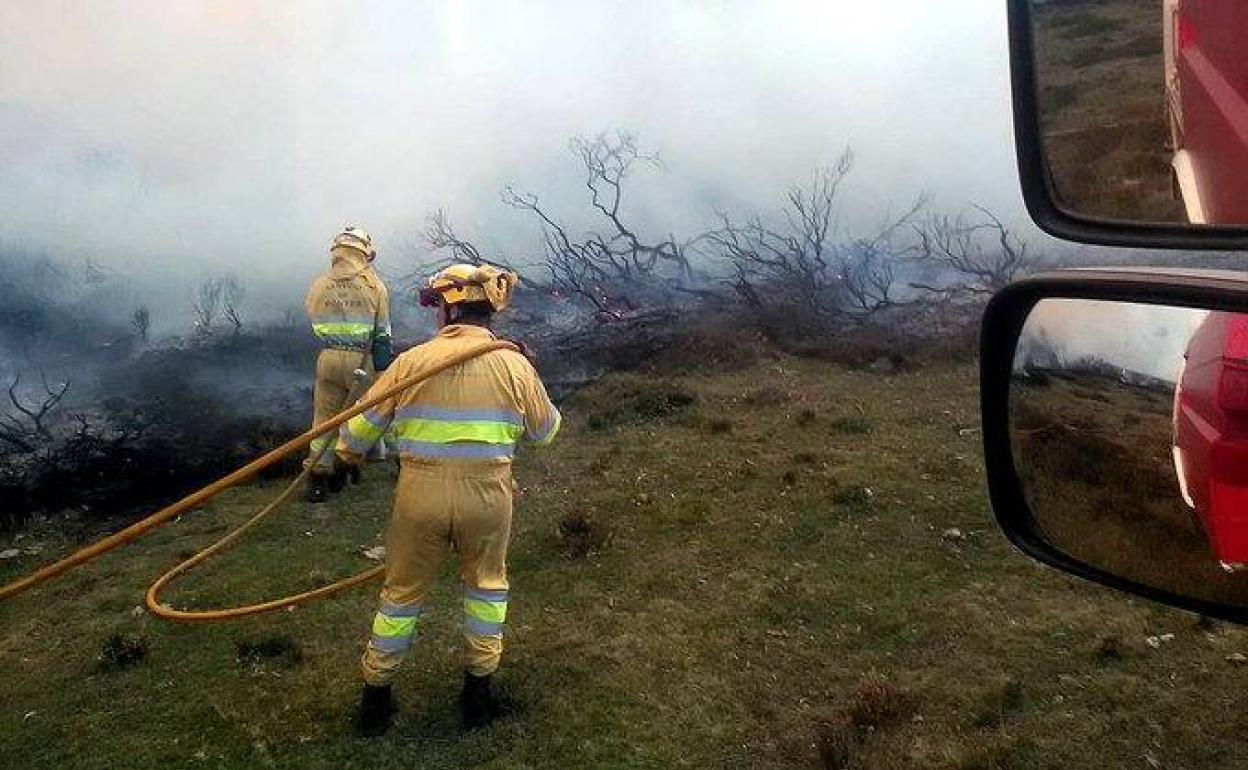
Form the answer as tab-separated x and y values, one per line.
743	602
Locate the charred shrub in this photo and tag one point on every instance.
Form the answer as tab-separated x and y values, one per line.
871	708
1109	649
123	651
837	744
579	535
765	395
161	438
877	705
855	497
855	346
280	649
624	399
601	464
716	344
850	425
807	417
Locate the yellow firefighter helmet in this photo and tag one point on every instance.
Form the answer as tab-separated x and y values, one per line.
356	238
470	283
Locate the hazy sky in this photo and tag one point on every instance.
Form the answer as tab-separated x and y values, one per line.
1144	338
190	137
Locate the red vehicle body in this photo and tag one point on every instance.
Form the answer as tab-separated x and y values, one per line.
1207	98
1211	433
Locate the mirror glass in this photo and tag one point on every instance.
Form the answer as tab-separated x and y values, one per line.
1129	424
1144	108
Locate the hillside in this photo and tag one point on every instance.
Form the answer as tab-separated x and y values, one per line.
788	566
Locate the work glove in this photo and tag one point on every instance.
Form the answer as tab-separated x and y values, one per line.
383	353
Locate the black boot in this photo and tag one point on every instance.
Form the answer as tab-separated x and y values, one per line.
376	709
317	490
478	704
336	481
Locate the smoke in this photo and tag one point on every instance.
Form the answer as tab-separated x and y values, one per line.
177	141
1149	339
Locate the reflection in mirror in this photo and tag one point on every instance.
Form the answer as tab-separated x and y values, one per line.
1129	425
1144	108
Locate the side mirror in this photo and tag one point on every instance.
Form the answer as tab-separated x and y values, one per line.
1131	120
1115	416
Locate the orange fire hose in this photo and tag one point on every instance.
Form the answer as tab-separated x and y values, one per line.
198	498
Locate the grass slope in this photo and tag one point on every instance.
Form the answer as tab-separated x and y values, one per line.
1101	79
746	570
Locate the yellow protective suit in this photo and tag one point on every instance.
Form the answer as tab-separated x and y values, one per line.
348	307
455	434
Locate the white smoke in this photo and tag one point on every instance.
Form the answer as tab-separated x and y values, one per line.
178	140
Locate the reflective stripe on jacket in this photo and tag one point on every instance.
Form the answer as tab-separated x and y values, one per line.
349	305
475	412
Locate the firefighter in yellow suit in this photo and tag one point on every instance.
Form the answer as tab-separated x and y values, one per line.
349	308
456	435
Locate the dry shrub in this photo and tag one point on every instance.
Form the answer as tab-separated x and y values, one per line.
765	395
878	705
603	462
579	535
851	425
623	400
123	651
279	649
713	345
1109	648
838	744
872	708
854	497
857	347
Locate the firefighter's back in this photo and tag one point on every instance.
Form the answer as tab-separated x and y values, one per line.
475	412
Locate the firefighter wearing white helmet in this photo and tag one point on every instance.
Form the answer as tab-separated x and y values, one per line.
457	433
349	309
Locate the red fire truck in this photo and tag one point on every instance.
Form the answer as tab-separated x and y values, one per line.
1206	58
1211	434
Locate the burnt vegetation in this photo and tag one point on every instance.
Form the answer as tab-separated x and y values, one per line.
101	419
105	414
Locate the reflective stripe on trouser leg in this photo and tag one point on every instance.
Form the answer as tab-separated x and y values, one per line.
485	610
325	463
394	628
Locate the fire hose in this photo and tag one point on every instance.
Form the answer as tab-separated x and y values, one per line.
202	496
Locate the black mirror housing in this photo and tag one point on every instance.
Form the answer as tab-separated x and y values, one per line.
1036	177
1001	330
